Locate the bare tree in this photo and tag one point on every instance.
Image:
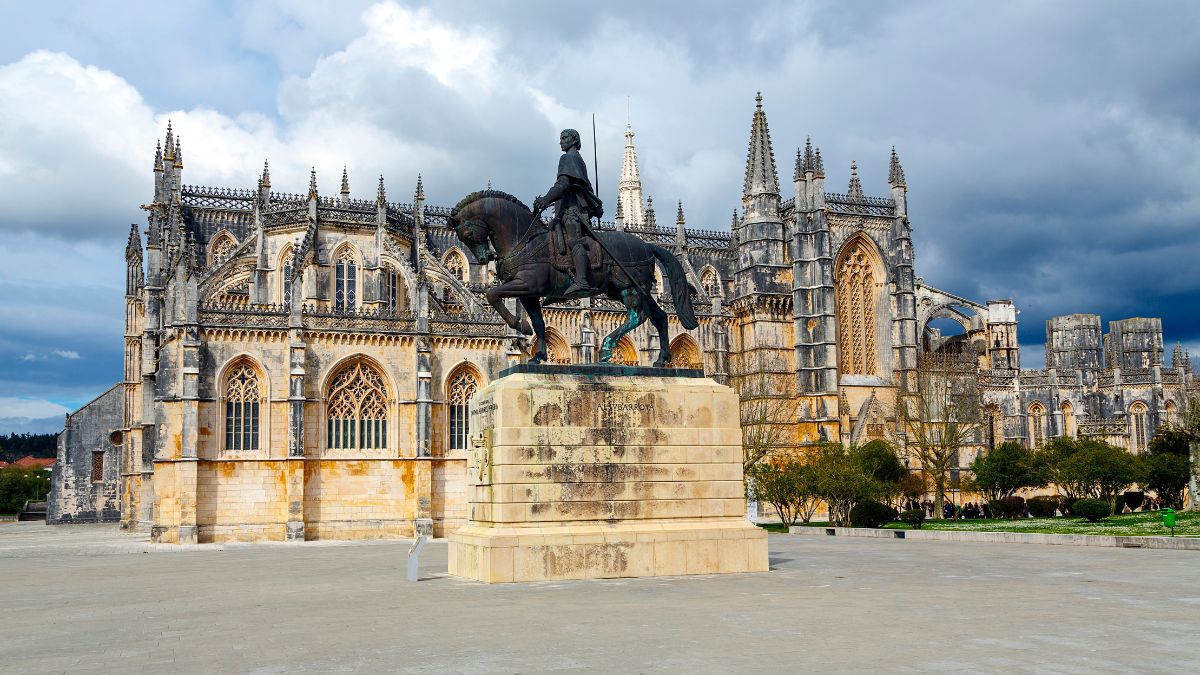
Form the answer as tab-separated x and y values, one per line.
939	409
768	416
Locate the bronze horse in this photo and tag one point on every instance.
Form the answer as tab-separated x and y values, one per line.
497	226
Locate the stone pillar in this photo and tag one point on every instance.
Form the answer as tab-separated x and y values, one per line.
294	464
424	397
187	470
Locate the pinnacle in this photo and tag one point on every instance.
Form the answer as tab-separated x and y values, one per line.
761	177
266	175
179	151
158	156
650	222
819	165
855	189
895	171
381	194
345	182
679	214
798	172
312	183
420	188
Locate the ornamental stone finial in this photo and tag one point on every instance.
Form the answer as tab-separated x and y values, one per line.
420	194
345	182
312	183
380	193
158	156
266	175
855	189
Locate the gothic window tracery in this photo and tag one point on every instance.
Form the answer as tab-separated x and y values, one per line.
711	283
1037	425
456	265
242	400
1138	422
461	386
221	248
357	409
684	353
625	354
345	292
856	287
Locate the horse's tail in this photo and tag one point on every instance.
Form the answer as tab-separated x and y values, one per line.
681	290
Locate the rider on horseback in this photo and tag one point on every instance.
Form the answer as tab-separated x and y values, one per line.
574	205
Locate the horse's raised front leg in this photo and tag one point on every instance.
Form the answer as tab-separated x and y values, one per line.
634	318
515	288
533	307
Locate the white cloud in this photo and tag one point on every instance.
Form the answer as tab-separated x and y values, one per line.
68	354
30	408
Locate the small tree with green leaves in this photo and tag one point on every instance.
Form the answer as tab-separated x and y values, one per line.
1006	469
1167	466
1083	467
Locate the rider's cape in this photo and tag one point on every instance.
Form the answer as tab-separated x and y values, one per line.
572	166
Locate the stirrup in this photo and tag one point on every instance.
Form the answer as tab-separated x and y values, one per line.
578	286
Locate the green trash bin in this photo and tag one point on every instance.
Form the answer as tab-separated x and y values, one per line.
1168	516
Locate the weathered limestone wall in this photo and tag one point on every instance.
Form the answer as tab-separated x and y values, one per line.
74	495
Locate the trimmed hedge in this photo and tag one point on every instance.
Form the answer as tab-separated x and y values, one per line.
1043	506
1092	509
1009	507
914	518
871	514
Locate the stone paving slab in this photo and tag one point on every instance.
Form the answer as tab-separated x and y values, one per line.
1117	541
830	604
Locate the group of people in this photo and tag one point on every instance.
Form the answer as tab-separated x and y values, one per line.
953	512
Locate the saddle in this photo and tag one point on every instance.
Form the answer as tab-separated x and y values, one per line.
564	262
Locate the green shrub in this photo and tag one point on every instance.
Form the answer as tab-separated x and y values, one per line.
1043	506
1009	507
1092	509
871	514
914	518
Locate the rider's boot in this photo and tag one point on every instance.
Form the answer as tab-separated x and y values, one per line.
580	282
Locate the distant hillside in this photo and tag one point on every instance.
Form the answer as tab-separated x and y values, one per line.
16	446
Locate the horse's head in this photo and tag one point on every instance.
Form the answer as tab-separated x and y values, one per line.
476	235
488	223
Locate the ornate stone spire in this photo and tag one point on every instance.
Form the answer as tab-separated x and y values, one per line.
819	165
420	194
855	189
169	146
650	211
629	193
619	217
266	175
761	177
158	156
895	171
133	248
680	231
381	193
312	183
798	171
810	160
178	152
345	183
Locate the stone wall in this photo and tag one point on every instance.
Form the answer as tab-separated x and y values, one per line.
86	452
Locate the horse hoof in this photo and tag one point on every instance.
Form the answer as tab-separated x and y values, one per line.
525	328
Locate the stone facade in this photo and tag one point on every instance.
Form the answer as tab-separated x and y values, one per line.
85	481
299	365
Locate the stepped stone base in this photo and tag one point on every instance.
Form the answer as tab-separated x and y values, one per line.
582	476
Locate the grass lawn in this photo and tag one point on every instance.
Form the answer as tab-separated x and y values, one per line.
1129	524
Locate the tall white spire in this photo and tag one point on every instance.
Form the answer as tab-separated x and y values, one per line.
629	194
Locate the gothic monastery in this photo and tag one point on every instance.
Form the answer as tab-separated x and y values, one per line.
299	366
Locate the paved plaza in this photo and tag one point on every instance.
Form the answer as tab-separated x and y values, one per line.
91	599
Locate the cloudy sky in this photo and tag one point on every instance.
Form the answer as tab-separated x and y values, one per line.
1052	150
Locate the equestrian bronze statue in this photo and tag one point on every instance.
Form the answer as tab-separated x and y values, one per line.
544	265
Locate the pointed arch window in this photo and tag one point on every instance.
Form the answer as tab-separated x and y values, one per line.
856	288
711	283
684	353
222	248
357	409
456	265
1068	419
1138	423
459	390
391	287
1037	425
243	397
345	291
286	266
1172	412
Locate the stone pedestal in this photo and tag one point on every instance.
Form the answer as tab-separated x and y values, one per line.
597	472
